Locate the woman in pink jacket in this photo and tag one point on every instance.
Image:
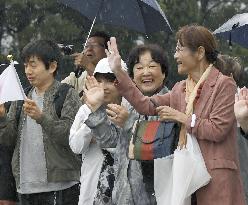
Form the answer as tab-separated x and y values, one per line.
203	104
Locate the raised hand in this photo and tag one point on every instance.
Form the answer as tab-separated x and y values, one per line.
117	114
93	93
113	55
82	61
241	108
31	109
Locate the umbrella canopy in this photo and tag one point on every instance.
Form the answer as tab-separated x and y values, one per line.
144	16
235	30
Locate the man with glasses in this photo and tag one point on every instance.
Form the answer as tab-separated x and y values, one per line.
94	51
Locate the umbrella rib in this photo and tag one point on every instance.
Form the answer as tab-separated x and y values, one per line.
141	11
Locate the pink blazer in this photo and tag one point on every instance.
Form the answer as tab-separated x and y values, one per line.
215	130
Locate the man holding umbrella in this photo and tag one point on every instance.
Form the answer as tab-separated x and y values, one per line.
94	51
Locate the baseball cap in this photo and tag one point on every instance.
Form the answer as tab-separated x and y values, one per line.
103	66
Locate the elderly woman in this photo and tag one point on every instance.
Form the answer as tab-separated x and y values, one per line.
208	97
147	66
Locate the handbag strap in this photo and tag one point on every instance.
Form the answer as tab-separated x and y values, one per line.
134	130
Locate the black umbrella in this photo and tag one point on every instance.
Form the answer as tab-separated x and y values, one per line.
235	30
144	16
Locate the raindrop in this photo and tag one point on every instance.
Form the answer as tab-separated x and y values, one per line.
108	6
122	6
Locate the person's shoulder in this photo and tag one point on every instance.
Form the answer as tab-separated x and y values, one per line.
84	74
66	94
59	88
179	86
69	78
223	84
225	80
66	89
82	77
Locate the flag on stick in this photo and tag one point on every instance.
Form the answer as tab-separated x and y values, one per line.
10	85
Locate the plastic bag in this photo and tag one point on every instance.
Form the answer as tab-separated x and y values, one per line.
178	176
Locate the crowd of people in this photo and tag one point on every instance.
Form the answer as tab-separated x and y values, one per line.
68	142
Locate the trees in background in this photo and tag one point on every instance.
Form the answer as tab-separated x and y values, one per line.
25	20
209	13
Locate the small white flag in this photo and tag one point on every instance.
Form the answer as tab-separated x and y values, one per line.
10	85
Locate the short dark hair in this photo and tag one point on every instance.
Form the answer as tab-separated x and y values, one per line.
157	54
101	34
46	50
108	76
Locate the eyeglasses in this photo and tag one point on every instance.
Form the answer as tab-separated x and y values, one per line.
182	48
93	45
179	49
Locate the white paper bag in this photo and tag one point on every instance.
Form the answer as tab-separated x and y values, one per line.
163	176
178	176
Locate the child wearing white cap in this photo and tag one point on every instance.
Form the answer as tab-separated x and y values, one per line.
97	172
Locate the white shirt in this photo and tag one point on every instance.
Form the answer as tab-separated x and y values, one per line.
92	157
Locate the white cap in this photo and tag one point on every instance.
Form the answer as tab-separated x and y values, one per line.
103	66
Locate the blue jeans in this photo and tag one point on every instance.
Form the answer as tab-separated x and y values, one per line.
64	197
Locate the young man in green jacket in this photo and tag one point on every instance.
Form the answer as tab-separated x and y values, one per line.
45	169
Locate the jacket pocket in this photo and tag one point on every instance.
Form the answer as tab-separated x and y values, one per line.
221	164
